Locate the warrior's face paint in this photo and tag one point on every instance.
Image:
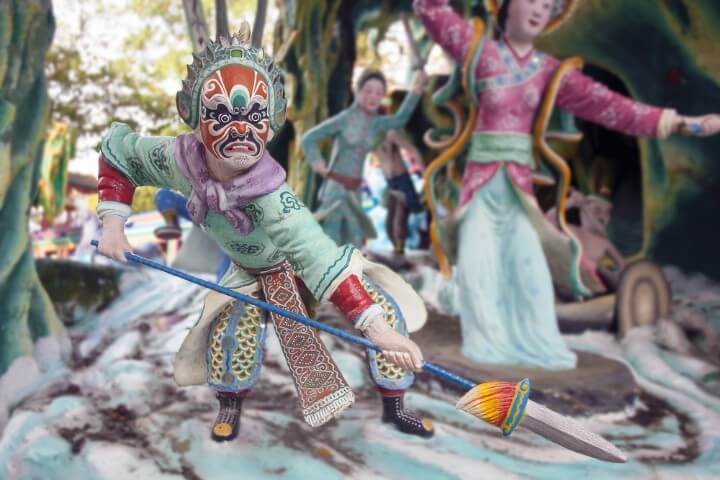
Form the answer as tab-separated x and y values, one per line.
234	124
527	18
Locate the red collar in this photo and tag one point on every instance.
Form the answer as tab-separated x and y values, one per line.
521	60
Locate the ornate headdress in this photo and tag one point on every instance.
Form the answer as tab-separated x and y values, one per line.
235	50
561	11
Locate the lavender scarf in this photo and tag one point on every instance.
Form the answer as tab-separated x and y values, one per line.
230	197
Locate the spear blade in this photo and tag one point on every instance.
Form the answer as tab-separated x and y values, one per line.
569	434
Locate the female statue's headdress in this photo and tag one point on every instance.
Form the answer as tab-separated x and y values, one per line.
561	11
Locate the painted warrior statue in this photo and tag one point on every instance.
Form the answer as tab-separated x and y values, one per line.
355	131
503	277
233	99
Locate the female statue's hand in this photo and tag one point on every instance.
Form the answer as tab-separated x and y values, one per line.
419	84
702	126
320	168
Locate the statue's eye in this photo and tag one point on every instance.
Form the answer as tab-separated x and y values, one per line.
255	117
225	118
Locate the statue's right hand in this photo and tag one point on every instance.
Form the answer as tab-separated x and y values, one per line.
575	198
113	242
419	84
320	168
399	349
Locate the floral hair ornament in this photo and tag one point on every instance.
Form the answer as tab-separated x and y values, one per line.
562	10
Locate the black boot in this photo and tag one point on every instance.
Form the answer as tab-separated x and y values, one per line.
227	423
393	412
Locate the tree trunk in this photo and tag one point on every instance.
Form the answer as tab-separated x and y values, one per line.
26	314
222	25
197	26
259	24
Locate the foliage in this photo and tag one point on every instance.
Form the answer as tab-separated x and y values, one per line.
131	77
88	92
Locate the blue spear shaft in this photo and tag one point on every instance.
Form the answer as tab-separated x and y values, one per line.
363	342
537	418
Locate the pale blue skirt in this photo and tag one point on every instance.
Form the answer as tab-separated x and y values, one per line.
343	217
504	290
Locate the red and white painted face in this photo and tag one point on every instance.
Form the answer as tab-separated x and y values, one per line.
234	124
370	95
527	19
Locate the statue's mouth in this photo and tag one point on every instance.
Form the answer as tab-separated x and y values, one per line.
237	143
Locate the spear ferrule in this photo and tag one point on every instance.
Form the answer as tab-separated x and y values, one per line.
516	414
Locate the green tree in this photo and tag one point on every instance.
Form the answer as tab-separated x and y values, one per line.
89	92
26	314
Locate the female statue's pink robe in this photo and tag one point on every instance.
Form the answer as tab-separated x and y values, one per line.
505	293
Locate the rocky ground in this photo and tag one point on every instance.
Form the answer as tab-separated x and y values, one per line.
115	412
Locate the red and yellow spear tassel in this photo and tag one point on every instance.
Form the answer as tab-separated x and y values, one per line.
498	403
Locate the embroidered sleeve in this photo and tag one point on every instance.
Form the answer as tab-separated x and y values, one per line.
445	26
115	191
113	186
144	161
310	141
351	298
297	236
592	101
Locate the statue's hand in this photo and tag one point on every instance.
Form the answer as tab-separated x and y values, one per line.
320	168
420	81
113	242
398	349
576	198
711	124
702	126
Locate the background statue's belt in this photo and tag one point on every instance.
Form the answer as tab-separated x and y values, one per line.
348	182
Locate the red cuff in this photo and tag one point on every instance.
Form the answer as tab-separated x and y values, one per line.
351	298
113	186
390	393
